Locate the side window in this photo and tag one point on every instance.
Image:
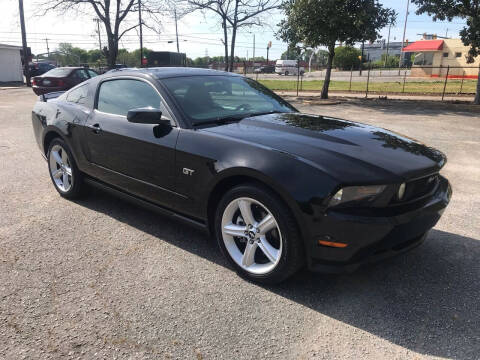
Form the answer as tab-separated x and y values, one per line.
78	95
92	73
80	75
119	96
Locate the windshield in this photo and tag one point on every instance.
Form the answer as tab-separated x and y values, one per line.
208	98
58	72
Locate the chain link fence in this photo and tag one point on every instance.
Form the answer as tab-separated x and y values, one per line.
414	82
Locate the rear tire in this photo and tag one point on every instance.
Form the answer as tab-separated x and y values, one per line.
286	73
63	170
258	235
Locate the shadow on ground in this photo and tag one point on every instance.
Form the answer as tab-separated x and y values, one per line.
427	300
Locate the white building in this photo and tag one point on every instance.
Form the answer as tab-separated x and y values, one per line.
10	63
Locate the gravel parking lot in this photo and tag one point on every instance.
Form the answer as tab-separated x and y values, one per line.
100	278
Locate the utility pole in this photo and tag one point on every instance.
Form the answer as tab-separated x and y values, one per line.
48	50
97	20
388	45
176	29
269	45
403	39
141	34
24	44
254	47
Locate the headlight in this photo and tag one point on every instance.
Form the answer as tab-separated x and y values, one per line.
356	193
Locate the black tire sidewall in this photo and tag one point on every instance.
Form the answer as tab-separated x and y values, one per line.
288	229
75	190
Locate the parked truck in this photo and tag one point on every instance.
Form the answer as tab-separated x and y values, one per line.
288	67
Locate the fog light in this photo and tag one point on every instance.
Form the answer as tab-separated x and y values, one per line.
401	191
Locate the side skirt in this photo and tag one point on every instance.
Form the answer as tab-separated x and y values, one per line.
146	204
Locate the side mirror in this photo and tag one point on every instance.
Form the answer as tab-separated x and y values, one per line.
146	116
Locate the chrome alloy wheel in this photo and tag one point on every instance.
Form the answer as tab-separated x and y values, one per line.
60	168
251	235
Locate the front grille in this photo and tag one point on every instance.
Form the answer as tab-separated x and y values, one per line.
418	188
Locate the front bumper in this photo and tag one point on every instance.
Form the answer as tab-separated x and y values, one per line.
372	238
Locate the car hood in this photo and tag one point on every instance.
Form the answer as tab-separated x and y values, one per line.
351	152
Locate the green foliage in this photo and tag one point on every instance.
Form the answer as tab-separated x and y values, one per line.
67	54
314	23
347	57
391	62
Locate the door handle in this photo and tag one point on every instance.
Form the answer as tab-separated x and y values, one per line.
95	128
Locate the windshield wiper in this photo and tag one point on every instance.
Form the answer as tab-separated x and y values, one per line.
221	120
267	113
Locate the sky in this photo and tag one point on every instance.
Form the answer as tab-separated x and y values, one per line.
199	34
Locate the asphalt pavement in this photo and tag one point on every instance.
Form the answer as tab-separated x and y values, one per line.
99	278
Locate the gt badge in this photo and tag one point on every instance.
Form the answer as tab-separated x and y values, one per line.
188	172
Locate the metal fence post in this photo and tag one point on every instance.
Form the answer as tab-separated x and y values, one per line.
463	79
298	74
368	79
446	80
351	75
404	81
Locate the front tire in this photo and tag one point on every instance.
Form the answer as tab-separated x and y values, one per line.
258	235
63	170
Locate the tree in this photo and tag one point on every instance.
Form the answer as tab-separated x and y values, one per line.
112	13
316	23
465	9
233	15
347	57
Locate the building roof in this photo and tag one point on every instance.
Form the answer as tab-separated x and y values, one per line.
6	46
424	45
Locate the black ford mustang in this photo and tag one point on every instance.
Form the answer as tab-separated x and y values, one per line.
277	188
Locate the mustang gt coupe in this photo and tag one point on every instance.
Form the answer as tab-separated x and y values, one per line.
277	188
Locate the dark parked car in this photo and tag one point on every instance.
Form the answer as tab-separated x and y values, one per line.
277	188
265	69
61	79
39	68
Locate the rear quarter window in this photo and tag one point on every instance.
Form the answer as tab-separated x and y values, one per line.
78	95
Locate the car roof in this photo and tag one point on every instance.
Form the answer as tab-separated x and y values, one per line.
170	72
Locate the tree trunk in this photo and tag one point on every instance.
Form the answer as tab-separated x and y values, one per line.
112	51
232	48
234	36
326	84
477	95
225	42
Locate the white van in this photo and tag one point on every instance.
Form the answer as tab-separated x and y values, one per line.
288	67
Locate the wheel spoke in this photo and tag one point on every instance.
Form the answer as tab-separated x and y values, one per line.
57	157
57	174
64	156
246	211
66	183
268	223
68	170
235	230
248	257
270	252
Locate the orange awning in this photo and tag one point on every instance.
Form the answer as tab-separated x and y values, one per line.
424	45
